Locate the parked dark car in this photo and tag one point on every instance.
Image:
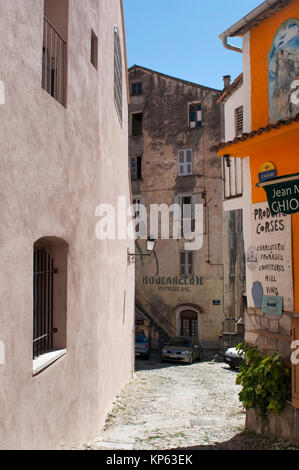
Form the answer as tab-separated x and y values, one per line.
233	357
181	349
142	346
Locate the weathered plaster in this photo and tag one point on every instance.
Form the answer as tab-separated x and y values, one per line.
57	165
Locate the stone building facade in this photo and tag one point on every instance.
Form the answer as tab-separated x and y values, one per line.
67	298
172	125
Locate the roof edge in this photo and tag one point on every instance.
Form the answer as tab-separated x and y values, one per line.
255	17
135	66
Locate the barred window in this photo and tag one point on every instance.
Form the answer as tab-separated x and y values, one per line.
49	296
118	85
54	49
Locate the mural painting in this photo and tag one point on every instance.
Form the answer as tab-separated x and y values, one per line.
283	71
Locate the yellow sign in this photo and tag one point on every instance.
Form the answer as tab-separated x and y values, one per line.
267	172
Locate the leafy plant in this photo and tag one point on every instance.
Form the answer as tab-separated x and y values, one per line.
266	381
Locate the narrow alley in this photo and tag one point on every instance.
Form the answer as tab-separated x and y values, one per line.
170	406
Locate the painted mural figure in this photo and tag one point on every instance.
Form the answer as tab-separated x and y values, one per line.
283	68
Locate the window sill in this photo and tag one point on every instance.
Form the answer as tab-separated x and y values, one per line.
44	361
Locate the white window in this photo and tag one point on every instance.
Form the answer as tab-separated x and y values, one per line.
185	162
239	121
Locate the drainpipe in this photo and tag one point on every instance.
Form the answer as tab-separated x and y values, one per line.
233	30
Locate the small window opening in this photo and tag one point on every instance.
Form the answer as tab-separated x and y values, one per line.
136	168
195	115
137	119
136	89
94	50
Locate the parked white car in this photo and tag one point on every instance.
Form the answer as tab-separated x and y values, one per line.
233	357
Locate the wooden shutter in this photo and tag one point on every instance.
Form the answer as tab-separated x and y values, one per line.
239	120
295	368
185	162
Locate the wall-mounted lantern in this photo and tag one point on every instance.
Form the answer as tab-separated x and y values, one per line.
150	248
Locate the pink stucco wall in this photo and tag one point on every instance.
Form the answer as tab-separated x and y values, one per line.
56	165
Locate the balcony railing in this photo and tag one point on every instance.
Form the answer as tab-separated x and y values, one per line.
54	70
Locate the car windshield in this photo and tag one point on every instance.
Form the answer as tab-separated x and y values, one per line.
140	339
179	342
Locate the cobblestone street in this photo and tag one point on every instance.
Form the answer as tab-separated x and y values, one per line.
170	406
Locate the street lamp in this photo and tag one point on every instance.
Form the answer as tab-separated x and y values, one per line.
150	248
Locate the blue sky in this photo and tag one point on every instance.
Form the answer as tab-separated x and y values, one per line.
180	37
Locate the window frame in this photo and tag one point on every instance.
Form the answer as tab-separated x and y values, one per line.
138	167
198	115
185	269
183	165
239	120
138	130
94	49
118	76
139	89
49	332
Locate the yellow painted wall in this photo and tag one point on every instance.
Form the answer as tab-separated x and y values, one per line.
285	154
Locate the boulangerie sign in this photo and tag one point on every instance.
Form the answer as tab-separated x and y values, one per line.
270	256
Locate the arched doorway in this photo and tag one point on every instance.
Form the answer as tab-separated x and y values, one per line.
189	324
188	320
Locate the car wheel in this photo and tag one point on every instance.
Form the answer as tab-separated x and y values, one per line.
190	359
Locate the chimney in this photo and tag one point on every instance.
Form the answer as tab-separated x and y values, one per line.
226	80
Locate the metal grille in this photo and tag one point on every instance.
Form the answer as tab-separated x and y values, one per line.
53	73
43	309
118	85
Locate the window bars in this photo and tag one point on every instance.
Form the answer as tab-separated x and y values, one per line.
43	308
118	84
53	65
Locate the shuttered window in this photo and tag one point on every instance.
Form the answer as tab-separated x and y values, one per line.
295	367
239	120
186	263
118	84
185	162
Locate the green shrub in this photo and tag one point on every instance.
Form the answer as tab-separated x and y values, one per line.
266	381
